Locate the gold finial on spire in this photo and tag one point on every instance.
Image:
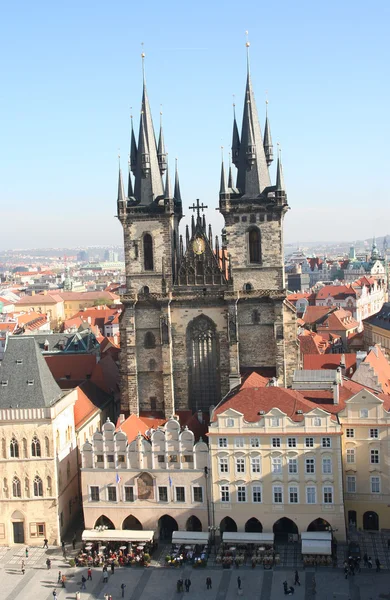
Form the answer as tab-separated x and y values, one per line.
143	61
247	44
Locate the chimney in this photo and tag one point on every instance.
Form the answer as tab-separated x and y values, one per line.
122	418
200	416
342	364
336	396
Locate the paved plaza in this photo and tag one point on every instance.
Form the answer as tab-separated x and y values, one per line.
159	583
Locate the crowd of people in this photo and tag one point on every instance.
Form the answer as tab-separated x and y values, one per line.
95	555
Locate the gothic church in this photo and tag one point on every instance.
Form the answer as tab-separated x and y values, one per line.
199	313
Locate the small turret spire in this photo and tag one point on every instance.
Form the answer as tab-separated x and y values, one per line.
236	139
210	235
267	142
121	200
230	176
187	236
177	193
143	147
222	187
168	187
130	192
133	149
161	154
192	225
280	187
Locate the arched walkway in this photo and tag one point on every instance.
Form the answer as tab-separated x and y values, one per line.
104	521
227	524
253	525
283	528
371	521
193	524
319	525
166	526
132	522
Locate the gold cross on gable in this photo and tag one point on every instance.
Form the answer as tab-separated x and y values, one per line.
198	207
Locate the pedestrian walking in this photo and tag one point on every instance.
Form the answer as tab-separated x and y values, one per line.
378	565
346	570
365	559
105	575
208	583
83	580
23	569
296	580
45	543
74	542
54	594
89	574
48	563
63	581
187	584
63	546
239	582
26	552
59	577
112	568
123	585
369	562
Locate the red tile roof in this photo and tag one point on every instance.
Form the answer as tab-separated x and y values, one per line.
76	367
312	343
83	409
381	366
95	316
313	313
315	362
88	296
335	291
134	425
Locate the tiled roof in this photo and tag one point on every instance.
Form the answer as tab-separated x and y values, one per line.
39	299
335	291
72	367
95	316
382	318
312	343
381	366
315	362
90	400
103	295
134	425
313	313
81	342
106	375
338	320
324	398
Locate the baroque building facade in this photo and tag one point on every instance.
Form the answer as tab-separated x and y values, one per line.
200	311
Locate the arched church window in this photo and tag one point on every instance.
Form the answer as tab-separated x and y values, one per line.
248	287
16	488
38	486
254	245
149	340
14	448
35	447
145	290
203	363
148	252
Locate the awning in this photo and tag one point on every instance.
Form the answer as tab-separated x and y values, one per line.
317	547
240	537
190	537
117	535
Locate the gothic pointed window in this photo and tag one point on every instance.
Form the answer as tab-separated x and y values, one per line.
38	486
14	448
203	363
148	252
254	243
16	488
35	447
149	340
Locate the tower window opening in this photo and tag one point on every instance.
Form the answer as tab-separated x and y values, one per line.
254	245
148	252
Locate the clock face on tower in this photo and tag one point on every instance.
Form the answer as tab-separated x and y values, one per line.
198	245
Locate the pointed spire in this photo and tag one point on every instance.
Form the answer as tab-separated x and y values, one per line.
230	177
210	236
176	193
253	174
148	182
187	236
181	246
235	140
133	149
267	143
121	200
161	154
192	225
280	187
130	192
168	187
222	187
204	226
217	248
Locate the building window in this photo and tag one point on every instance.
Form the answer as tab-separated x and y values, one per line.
292	466
274	422
310	495
173	458
99	458
310	465
309	442
198	494
364	413
14	448
110	458
111	493
327	466
276	462
129	493
163	494
278	494
225	494
375	485
240	465
326	442
188	458
148	252
229	422
94	493
292	442
256	493
239	442
255	442
328	495
350	455
160	458
317	422
41	530
35	447
276	443
374	457
222	442
293	495
149	340
351	484
121	458
202	342
224	465
241	493
256	464
374	433
180	494
350	433
38	486
16	488
254	245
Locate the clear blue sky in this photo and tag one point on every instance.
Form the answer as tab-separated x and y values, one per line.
70	71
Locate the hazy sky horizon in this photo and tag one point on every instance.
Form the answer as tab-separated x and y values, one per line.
71	72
